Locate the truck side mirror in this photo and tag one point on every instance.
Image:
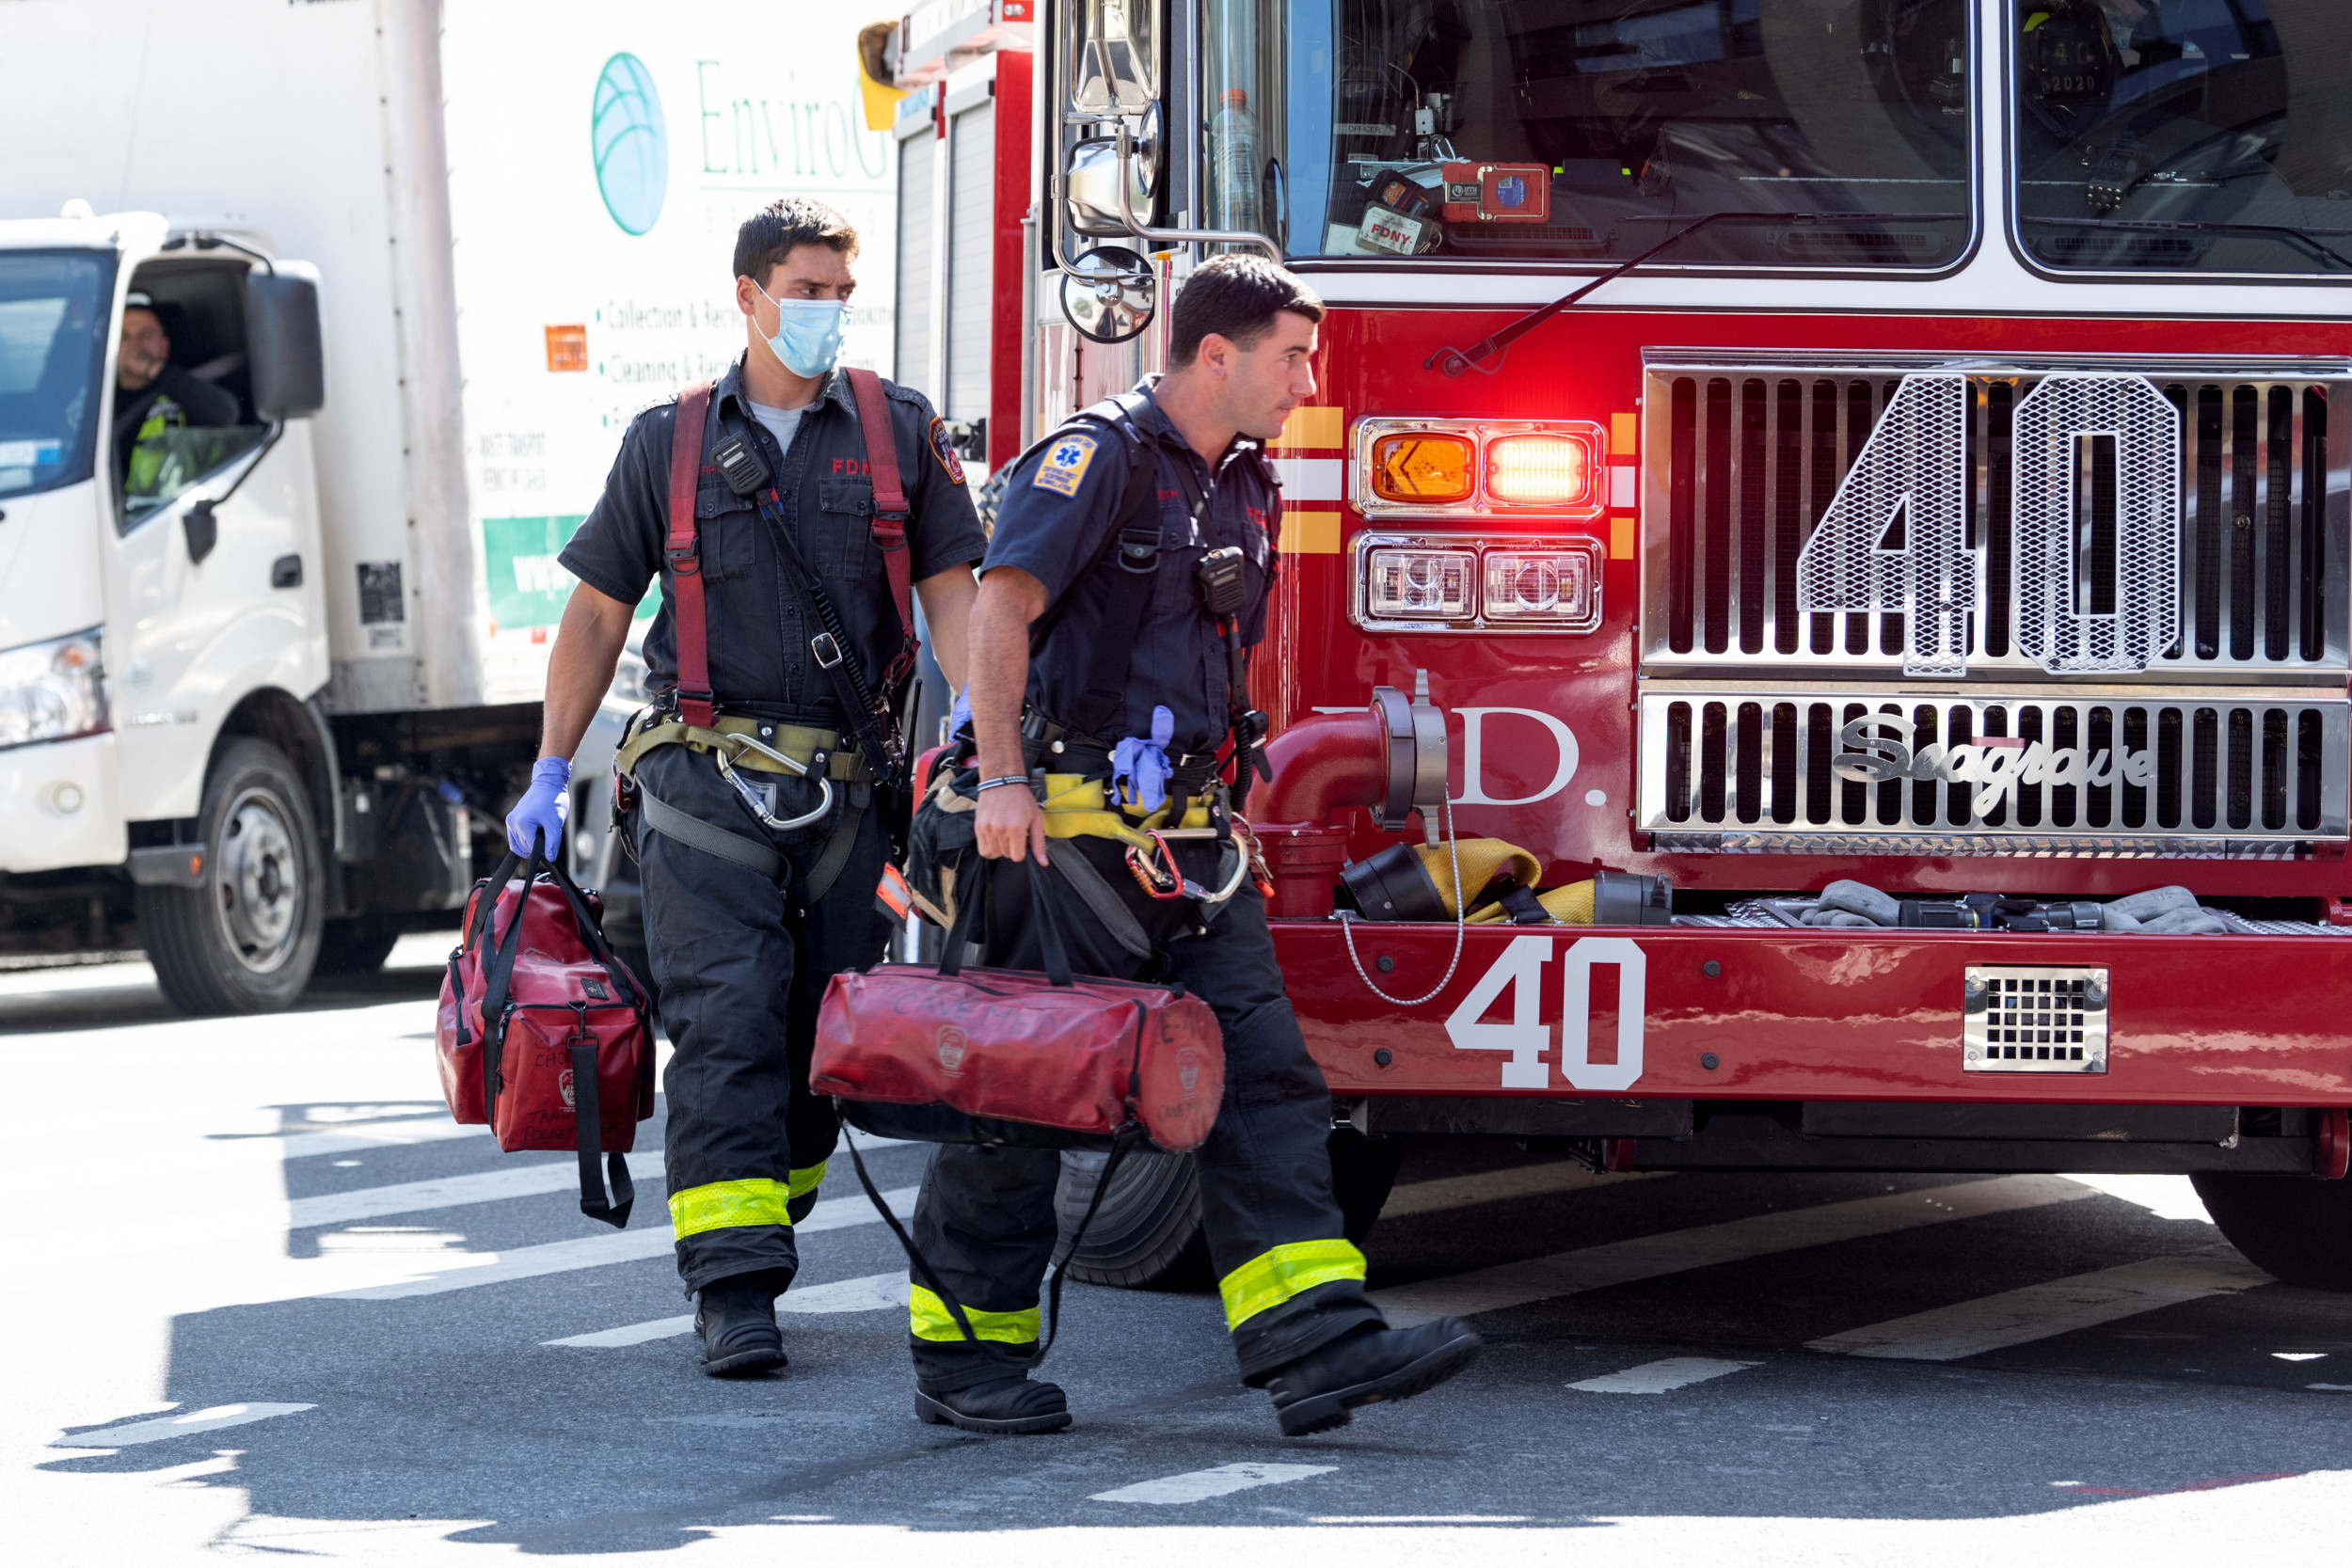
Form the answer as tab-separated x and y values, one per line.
282	343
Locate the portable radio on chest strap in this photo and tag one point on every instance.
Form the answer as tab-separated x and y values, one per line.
876	756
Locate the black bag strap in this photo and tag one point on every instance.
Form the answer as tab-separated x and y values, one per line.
1133	549
832	649
587	1117
1129	1134
970	918
498	972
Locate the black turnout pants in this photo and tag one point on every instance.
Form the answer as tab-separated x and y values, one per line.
986	1222
743	967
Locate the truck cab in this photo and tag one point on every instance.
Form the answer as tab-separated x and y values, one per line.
1854	491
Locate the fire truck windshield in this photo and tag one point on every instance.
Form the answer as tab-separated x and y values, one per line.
1583	130
2185	135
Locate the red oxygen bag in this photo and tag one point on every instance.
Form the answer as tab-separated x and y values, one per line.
543	1033
947	1054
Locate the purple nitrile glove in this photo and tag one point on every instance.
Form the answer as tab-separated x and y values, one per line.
543	809
960	714
1139	765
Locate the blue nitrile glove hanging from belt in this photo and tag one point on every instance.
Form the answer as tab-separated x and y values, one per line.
544	808
961	715
1139	768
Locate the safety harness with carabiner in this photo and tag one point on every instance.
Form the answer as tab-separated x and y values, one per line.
877	757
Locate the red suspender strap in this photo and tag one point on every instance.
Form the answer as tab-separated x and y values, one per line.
682	555
890	508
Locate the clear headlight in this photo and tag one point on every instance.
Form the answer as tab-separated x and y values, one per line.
52	691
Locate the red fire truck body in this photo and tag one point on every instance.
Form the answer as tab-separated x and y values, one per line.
2017	569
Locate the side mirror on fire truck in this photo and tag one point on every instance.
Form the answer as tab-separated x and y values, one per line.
1109	294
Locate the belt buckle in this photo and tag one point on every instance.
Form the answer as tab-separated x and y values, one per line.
826	648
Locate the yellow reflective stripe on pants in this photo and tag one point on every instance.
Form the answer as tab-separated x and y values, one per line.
1272	1277
929	1318
726	1205
800	1184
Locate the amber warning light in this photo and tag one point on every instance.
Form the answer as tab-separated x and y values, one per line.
1418	467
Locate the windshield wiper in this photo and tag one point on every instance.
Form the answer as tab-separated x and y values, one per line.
2284	233
1457	361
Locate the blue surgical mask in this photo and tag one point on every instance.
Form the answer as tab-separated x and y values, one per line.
808	333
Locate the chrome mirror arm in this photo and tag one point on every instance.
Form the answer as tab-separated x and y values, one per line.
1176	236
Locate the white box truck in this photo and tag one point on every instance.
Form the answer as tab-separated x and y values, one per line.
274	620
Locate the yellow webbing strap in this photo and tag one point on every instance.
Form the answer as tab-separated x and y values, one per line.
844	763
1078	807
728	1205
929	1318
1274	1276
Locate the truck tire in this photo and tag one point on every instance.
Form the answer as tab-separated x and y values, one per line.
246	941
355	946
1148	1233
2294	1227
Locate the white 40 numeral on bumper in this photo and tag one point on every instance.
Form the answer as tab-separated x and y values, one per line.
1519	970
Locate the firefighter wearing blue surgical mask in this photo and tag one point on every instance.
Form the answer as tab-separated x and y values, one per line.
760	876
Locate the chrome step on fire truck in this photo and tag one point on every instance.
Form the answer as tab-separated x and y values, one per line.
1759	446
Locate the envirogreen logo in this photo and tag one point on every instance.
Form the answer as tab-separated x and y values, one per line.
632	151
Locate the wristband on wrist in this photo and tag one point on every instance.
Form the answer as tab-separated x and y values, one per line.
1000	782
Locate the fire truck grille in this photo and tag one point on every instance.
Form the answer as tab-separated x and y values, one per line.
1741	460
1891	770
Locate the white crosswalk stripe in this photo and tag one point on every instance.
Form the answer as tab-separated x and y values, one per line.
866	1293
1593	1268
560	1175
1660	1377
214	1418
1198	1485
469	1271
2053	1307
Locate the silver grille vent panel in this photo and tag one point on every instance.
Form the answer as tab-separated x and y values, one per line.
1915	769
2228	559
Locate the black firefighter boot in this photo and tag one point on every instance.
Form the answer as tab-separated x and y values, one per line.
1009	1404
1315	1392
737	1318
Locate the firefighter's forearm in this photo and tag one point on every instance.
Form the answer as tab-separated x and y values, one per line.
588	647
947	612
1008	601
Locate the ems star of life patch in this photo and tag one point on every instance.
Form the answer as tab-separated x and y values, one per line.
1064	465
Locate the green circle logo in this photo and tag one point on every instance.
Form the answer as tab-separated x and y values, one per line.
631	150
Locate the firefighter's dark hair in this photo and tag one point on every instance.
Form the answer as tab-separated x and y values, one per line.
1237	298
769	235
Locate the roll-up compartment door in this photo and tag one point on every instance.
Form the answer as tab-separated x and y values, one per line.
972	138
918	159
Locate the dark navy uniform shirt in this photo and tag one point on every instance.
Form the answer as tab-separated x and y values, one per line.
760	663
1057	522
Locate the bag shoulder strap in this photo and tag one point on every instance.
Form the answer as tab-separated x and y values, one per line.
891	512
682	554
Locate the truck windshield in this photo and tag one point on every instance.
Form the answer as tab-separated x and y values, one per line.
51	344
1588	130
2189	136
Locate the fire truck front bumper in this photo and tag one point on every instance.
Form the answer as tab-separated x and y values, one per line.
1750	1048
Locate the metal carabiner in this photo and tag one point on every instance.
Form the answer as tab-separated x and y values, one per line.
1149	879
750	797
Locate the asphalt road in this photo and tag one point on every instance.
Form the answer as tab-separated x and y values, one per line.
263	1299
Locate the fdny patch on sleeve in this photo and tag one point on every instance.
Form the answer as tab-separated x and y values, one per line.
1064	465
945	450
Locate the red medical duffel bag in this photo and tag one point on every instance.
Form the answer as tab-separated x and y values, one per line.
543	1033
949	1055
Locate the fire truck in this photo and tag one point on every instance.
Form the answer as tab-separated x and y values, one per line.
1846	486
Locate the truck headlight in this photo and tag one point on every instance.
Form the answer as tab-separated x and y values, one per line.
53	691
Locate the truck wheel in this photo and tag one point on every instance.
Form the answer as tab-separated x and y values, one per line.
357	945
2291	1226
1148	1234
246	941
